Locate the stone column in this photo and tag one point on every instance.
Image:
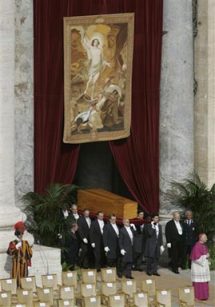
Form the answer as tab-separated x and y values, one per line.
24	110
205	95
16	132
9	213
176	104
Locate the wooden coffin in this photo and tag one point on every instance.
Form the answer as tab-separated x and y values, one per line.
101	200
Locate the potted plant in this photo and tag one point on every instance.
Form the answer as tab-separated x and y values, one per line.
43	213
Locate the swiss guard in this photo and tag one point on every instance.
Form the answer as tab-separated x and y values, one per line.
21	253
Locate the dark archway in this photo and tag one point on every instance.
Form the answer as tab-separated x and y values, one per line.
97	169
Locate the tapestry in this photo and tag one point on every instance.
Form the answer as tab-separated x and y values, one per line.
98	53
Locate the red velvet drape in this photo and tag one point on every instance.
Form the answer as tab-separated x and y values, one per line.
136	157
54	160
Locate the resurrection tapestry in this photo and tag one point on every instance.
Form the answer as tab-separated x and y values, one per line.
98	53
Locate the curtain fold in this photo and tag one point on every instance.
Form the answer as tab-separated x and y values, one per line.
137	157
54	160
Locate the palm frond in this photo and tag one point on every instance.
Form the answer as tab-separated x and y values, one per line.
43	211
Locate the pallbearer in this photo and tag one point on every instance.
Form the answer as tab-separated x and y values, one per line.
96	239
111	242
154	245
139	242
175	241
74	216
84	223
72	246
126	241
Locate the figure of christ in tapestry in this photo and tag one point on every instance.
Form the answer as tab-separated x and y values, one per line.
98	81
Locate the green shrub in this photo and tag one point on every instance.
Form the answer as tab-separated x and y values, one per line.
193	194
212	256
43	213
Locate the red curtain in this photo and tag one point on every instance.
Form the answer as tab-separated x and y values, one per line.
54	160
136	157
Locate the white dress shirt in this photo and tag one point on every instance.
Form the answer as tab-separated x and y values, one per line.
88	220
142	227
130	233
156	227
178	226
116	229
76	216
101	225
65	214
189	222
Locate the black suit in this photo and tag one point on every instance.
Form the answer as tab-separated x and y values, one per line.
190	237
111	240
139	243
73	219
72	248
126	243
86	251
176	252
62	217
64	221
152	247
96	237
67	220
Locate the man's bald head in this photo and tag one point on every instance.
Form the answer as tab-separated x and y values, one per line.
176	215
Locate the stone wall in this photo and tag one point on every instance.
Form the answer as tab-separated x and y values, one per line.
8	212
176	104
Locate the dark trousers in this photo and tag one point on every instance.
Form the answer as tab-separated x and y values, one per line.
114	263
99	257
85	259
125	269
177	254
151	265
111	262
138	258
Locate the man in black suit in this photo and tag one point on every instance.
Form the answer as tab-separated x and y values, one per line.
96	240
154	245
190	236
84	223
74	216
111	242
65	222
126	240
139	242
64	214
72	246
174	239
